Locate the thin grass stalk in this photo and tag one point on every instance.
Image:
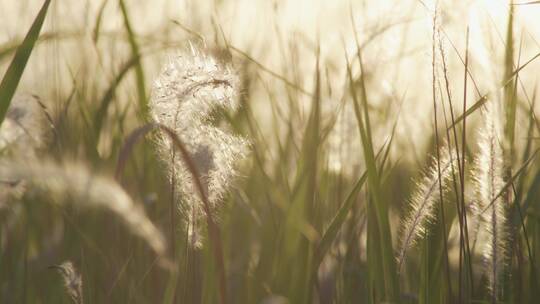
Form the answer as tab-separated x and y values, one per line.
464	130
513	227
139	72
518	214
463	148
509	87
457	202
516	241
382	229
448	92
172	218
437	140
464	234
391	283
213	229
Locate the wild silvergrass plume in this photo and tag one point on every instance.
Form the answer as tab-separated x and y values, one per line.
191	87
74	183
489	179
72	281
423	204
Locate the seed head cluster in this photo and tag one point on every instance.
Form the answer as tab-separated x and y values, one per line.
489	170
192	88
423	203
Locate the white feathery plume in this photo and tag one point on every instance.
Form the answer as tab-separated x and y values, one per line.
423	204
488	175
189	89
74	183
72	281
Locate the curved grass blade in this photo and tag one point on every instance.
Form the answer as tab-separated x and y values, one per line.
335	225
97	26
139	72
384	273
330	234
16	68
109	95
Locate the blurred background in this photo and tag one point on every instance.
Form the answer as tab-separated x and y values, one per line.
277	38
285	53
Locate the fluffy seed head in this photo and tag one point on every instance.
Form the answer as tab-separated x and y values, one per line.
423	204
191	87
489	172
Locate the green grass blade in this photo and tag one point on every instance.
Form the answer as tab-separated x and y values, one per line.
532	195
99	18
107	98
510	100
480	102
303	206
16	68
331	232
139	72
381	237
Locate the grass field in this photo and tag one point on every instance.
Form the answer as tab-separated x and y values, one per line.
269	151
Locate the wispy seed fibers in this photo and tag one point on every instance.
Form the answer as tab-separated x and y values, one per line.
423	204
489	180
74	183
190	89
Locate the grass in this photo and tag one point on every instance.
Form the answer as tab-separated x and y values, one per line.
138	189
11	79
